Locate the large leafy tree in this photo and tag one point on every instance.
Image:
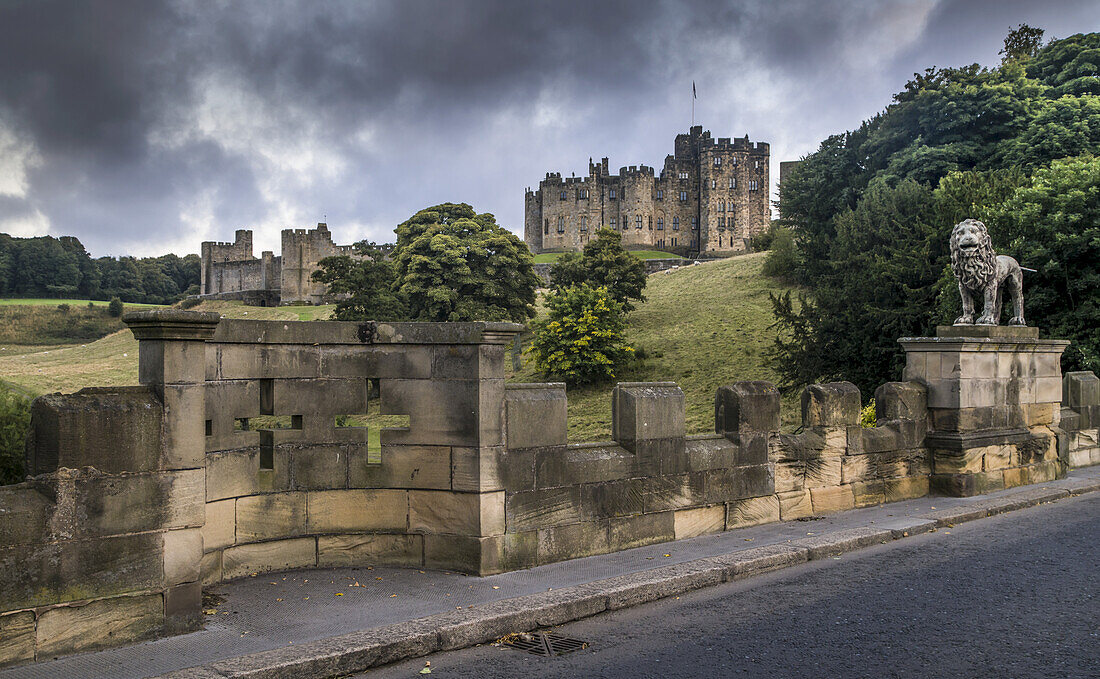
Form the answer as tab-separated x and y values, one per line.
583	339
455	265
364	285
965	142
603	263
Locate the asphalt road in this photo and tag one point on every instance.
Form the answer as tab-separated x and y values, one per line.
1010	597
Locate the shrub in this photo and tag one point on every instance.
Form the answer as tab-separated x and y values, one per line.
15	417
114	309
782	254
63	308
603	263
583	339
867	416
189	302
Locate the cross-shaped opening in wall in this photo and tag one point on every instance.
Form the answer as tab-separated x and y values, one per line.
373	422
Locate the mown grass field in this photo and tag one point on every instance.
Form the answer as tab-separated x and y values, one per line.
701	326
548	257
37	301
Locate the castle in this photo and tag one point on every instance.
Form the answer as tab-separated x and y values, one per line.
229	271
710	199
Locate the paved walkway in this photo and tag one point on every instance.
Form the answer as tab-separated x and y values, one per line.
276	611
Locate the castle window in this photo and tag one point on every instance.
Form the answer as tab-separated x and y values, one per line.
734	161
561	224
584	223
721	206
757	165
753	185
719	242
683	175
660	223
638	222
694	223
649	219
683	195
611	222
611	194
733	182
660	194
563	195
546	225
582	194
675	225
717	160
713	184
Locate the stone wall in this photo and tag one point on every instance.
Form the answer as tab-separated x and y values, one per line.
138	495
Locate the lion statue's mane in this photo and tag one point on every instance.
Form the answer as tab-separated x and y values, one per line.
974	270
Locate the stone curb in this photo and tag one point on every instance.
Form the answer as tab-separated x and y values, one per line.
358	651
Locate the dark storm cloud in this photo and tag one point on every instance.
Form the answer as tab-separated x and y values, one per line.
143	125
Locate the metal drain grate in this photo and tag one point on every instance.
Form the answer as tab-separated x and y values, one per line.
544	643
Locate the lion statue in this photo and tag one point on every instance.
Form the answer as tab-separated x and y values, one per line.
984	275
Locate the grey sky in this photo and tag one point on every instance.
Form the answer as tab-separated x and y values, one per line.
146	127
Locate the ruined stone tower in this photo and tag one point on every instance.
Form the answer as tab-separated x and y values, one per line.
711	197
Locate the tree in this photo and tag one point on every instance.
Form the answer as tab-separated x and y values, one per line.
583	339
782	260
1021	43
368	283
115	308
603	263
15	418
1069	66
1052	224
455	265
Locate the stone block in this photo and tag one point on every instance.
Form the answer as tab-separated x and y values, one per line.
183	608
220	529
481	469
232	474
440	412
163	362
446	512
1042	414
184	432
674	492
558	543
456	362
613	498
998	457
855	468
967	485
745	407
535	415
99	624
464	553
901	401
567	466
517	469
905	488
26	512
1045	471
17	638
113	505
726	485
116	429
339	551
836	404
1048	390
646	410
269	361
790	476
958	462
350	511
328	396
689	523
211	568
1080	389
795	505
182	556
652	456
868	493
262	557
878	439
378	362
1016	476
317	467
520	550
752	512
826	470
270	516
835	499
641	529
539	508
226	402
404	467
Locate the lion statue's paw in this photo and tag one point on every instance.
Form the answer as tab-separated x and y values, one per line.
1017	320
964	320
986	320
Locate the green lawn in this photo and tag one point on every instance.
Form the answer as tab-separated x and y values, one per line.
701	326
35	301
550	257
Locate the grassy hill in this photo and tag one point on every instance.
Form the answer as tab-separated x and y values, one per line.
548	257
701	326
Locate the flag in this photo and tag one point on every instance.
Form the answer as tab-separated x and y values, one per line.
693	95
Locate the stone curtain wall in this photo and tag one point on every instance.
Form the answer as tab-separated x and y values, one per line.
140	494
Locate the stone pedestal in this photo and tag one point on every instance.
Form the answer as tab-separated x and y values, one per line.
994	399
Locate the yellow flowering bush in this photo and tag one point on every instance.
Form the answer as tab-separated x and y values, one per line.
583	339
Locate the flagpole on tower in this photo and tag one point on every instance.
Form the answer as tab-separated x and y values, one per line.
693	97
